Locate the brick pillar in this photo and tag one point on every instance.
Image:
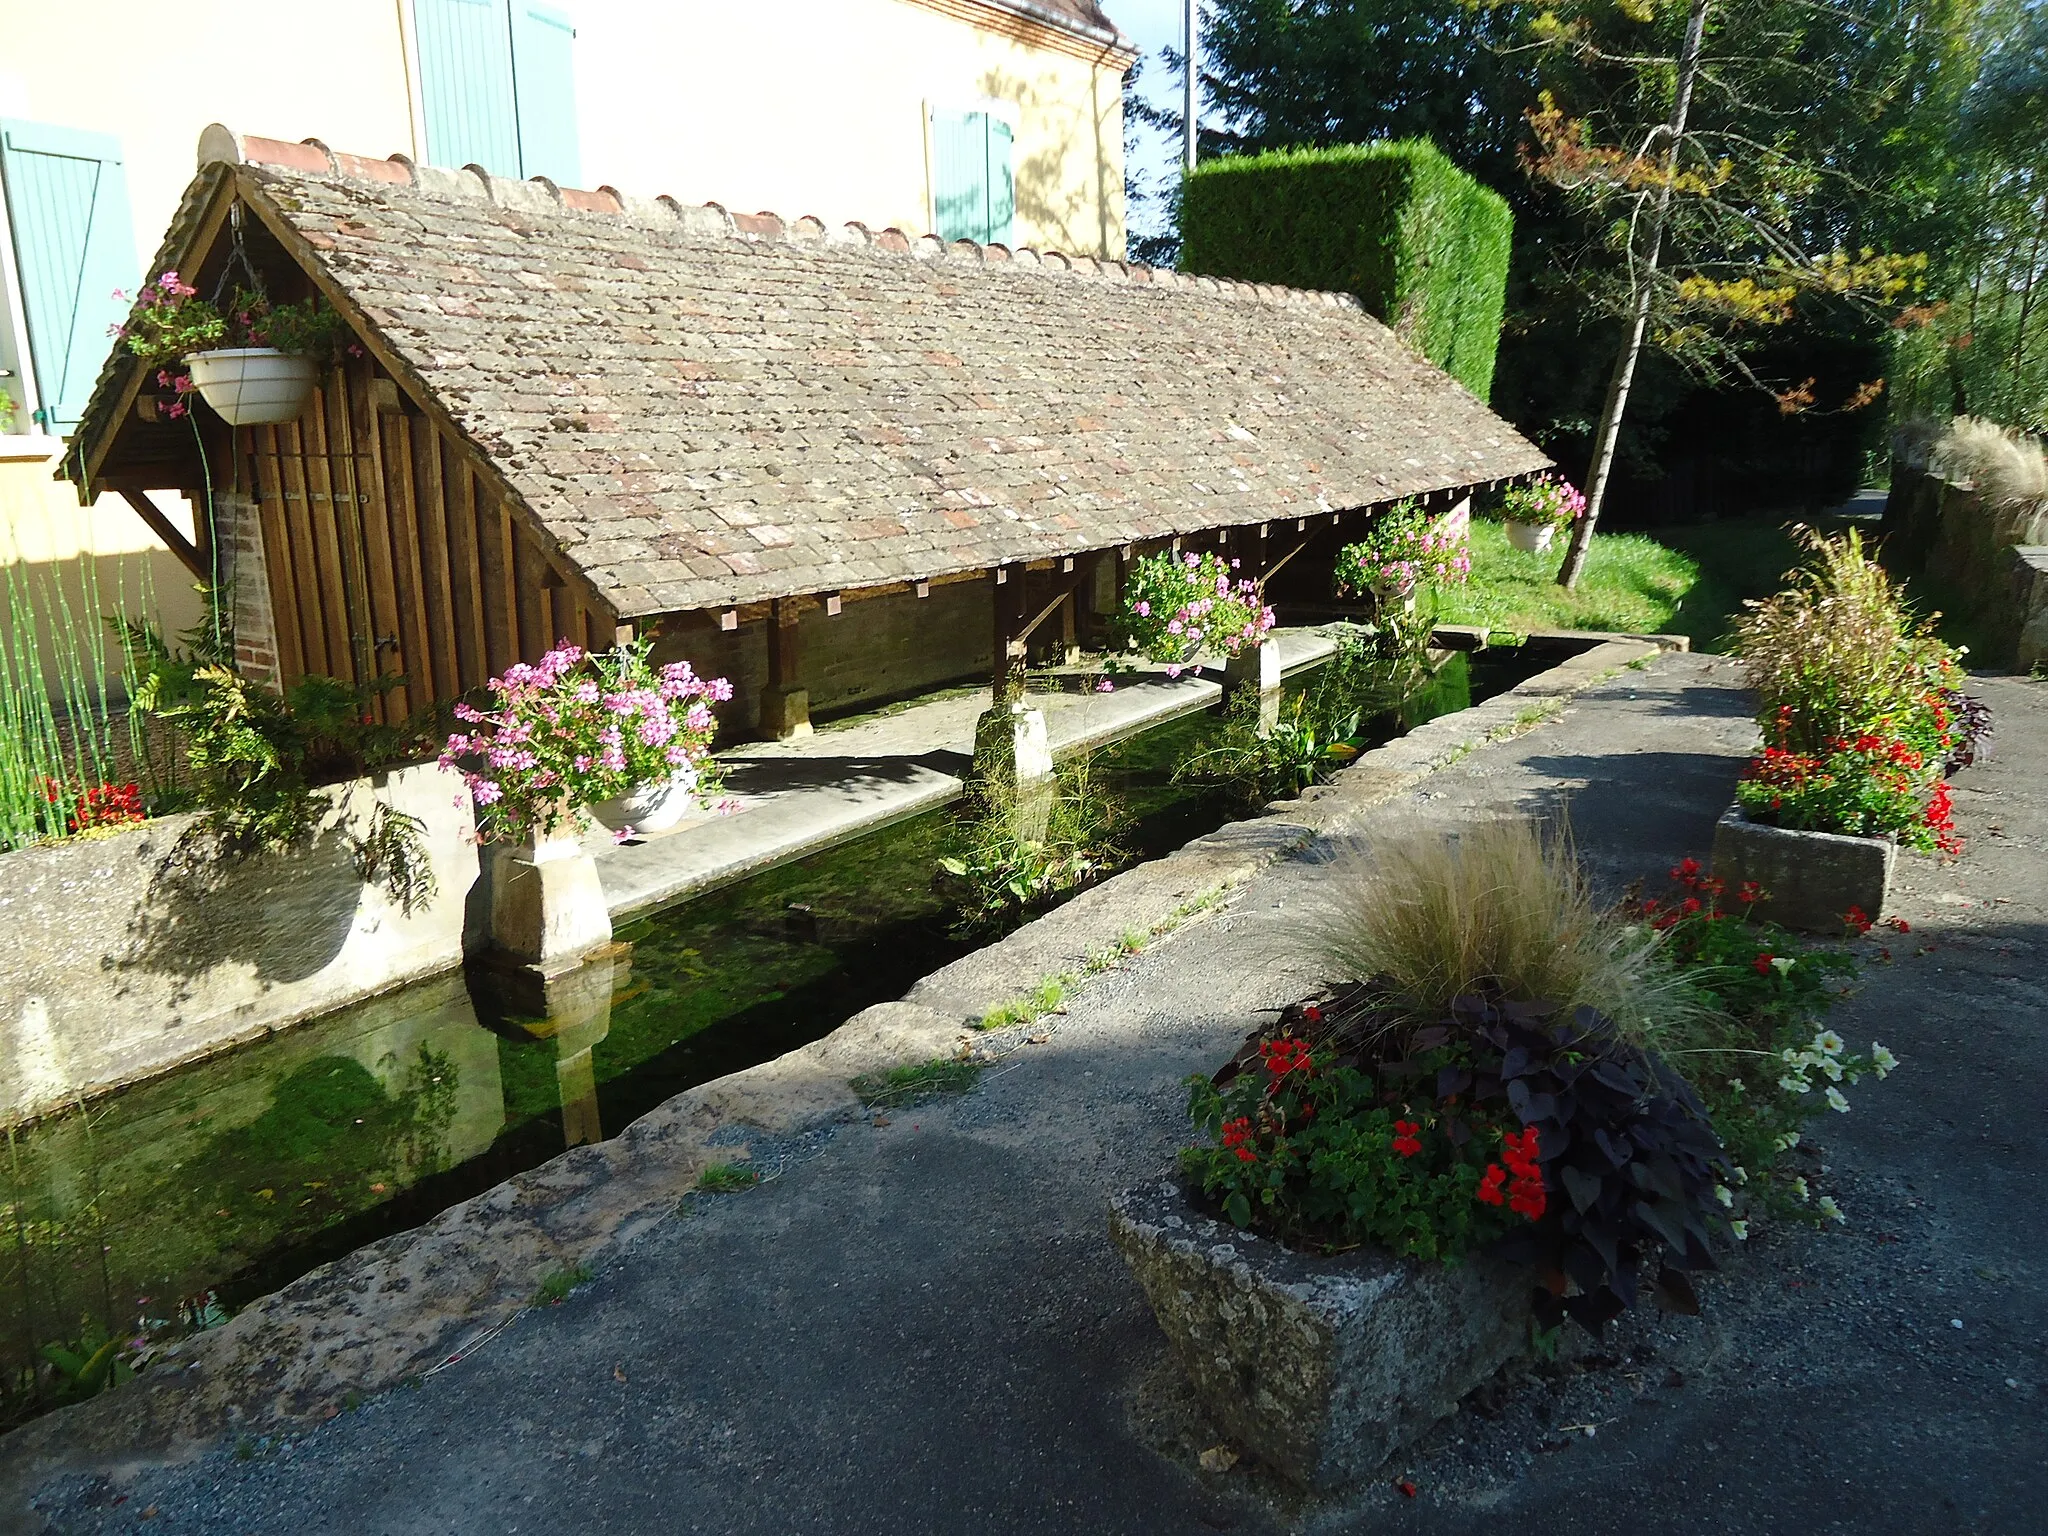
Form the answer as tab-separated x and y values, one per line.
238	531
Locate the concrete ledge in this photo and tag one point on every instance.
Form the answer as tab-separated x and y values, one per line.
1812	878
111	970
1321	1367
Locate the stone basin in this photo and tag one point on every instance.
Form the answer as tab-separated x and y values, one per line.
1322	1367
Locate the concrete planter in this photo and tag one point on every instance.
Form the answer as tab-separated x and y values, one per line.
1321	1367
1531	538
1813	877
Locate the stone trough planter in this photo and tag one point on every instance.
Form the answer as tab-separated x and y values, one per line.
1813	877
1321	1367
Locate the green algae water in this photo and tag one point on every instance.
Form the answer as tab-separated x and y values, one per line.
166	1206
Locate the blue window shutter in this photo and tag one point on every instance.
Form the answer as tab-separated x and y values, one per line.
467	95
960	175
74	244
544	81
1002	186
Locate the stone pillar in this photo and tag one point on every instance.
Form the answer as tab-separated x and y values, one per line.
239	560
548	910
785	703
1254	673
1252	677
1012	759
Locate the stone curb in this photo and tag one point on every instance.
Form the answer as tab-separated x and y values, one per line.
390	1312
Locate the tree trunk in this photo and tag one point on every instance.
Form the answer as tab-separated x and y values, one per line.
1643	281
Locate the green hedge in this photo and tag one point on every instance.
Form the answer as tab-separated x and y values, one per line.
1423	245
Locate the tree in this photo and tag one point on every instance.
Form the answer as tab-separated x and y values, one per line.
1836	122
1726	222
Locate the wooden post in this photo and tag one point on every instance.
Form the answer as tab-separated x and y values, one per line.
786	703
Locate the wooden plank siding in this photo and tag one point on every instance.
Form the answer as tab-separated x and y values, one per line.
390	556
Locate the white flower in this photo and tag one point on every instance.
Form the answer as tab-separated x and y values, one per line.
1724	1194
1833	1069
1740	1229
1795	1085
1782	963
1827	1207
1787	1142
1809	1058
1736	1085
1789	1056
1741	1174
1882	1059
1836	1102
1799	1188
1829	1042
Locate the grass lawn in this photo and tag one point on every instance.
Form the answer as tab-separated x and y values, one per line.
1689	581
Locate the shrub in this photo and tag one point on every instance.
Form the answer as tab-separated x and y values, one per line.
1024	850
2004	466
1500	906
254	756
1838	653
1422	245
1534	1131
1756	1059
1177	606
1404	548
1872	786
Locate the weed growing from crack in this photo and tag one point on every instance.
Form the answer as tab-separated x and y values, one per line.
905	1085
727	1178
554	1289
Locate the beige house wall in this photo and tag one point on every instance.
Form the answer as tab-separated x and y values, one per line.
820	107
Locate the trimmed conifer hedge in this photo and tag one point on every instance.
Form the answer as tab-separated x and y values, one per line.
1423	245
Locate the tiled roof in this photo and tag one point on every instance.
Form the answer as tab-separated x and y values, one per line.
703	409
1083	16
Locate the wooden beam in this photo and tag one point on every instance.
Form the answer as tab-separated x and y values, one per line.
165	529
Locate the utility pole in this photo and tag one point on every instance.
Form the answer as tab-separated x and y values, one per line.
1194	73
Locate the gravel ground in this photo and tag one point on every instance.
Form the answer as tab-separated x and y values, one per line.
920	1324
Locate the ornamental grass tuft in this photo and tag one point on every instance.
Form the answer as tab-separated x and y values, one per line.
1501	906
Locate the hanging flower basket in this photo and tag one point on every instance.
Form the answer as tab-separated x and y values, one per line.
1530	538
253	386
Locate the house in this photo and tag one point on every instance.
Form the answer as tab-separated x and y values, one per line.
833	463
989	119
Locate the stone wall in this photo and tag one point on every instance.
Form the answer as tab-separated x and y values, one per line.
1991	561
117	960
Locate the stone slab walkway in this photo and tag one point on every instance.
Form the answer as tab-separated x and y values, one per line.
851	778
919	1325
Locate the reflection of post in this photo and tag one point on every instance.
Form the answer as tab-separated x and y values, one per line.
576	1014
1252	676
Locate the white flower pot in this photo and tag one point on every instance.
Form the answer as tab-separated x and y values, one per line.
253	386
652	807
1395	594
1531	538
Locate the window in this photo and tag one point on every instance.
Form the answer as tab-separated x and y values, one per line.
73	245
498	87
974	194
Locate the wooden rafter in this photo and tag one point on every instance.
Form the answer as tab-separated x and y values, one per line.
195	560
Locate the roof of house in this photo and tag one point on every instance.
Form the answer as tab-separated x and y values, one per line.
701	409
1083	17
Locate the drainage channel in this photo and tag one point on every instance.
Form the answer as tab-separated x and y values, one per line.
165	1206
